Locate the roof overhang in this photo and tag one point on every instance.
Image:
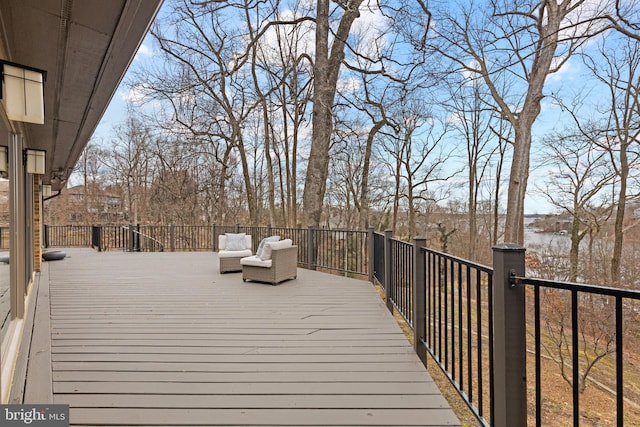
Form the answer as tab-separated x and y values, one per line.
86	47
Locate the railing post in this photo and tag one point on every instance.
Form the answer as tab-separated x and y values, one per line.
46	236
387	268
419	302
311	264
510	349
96	238
172	238
370	253
237	228
214	243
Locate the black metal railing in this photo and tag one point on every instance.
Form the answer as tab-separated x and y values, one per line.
378	263
588	319
343	251
96	238
142	242
401	292
67	236
458	326
113	237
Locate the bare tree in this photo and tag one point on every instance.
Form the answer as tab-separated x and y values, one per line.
473	119
624	18
287	66
207	79
619	71
502	40
596	332
326	70
130	167
382	57
580	184
90	166
419	155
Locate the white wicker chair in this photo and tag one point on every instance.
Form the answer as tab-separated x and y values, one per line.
230	260
281	265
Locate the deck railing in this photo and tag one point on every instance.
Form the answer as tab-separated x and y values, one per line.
4	238
458	324
335	250
67	236
478	324
600	315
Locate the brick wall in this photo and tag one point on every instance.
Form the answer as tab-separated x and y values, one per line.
37	225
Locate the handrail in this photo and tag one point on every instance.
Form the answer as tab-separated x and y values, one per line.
575	289
134	244
456	324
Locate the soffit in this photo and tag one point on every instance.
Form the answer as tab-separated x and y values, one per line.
86	47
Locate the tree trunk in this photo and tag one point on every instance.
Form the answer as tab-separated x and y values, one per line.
473	209
514	221
325	77
363	220
267	152
292	165
250	192
574	252
412	209
496	201
550	17
618	236
221	208
396	197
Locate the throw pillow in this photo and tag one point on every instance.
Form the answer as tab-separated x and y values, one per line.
236	241
265	240
268	248
266	251
286	243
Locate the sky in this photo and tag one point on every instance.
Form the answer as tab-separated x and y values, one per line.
116	112
550	117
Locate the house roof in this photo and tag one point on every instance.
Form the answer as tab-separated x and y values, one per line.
86	47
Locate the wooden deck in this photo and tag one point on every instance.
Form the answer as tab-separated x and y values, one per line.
164	339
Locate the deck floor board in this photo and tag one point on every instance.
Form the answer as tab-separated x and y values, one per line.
164	339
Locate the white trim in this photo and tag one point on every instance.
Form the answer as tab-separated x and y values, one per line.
10	346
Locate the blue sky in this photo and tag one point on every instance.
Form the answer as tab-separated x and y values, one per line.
116	114
550	117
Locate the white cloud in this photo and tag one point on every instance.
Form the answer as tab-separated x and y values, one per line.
135	94
297	40
455	118
567	70
469	73
371	28
349	85
583	20
144	50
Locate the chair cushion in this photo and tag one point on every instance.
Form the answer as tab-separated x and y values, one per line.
255	261
235	242
270	246
265	240
234	254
